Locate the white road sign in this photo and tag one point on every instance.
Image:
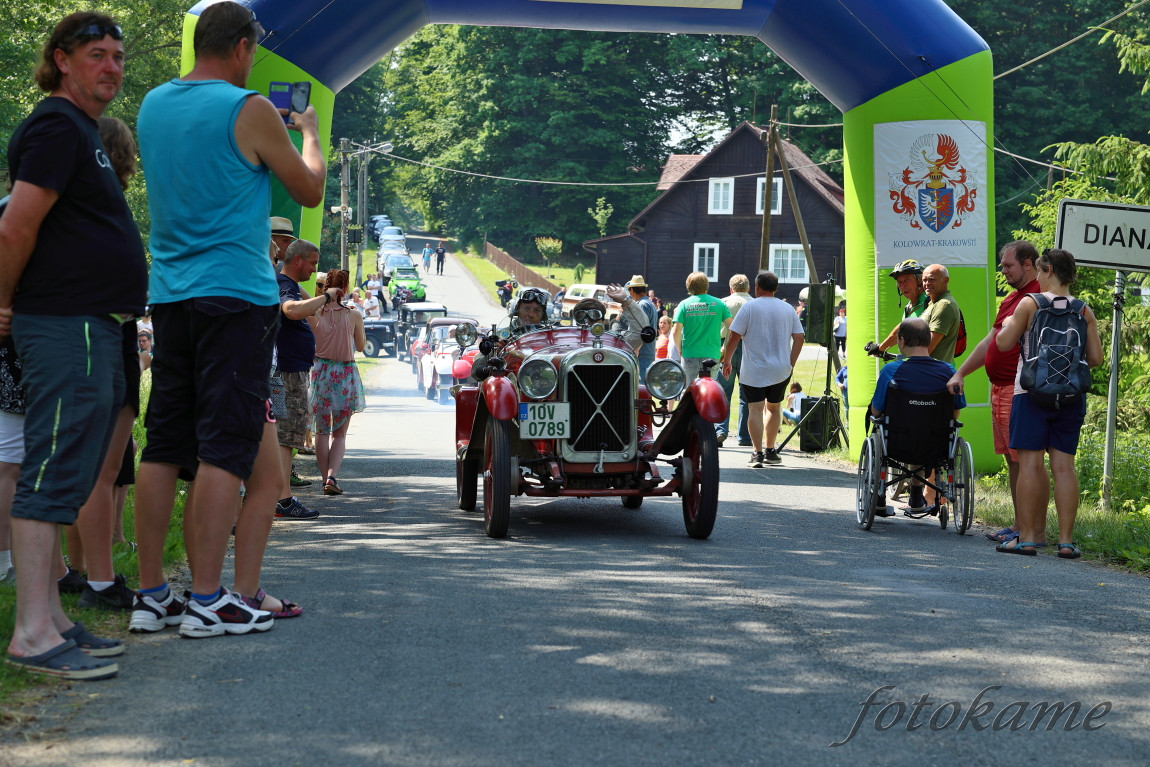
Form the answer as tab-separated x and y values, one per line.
1105	234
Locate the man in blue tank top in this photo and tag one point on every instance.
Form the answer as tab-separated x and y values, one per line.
208	146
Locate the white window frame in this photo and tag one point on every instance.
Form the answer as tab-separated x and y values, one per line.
773	260
776	195
713	274
714	196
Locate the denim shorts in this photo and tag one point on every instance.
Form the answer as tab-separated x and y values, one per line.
1036	428
210	383
73	377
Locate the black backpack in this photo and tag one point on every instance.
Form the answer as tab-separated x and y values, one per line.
1054	370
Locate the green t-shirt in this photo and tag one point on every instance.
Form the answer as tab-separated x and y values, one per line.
943	317
702	319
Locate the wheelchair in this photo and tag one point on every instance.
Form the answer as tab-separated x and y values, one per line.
917	430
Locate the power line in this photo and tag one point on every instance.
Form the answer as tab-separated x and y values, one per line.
1087	33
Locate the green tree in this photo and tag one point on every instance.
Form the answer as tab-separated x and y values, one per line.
601	213
549	248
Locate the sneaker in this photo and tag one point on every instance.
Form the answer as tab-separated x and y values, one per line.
298	481
756	461
745	443
720	439
9	578
116	597
227	615
295	510
884	511
73	582
771	456
150	616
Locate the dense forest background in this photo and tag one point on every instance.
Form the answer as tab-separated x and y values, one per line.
606	108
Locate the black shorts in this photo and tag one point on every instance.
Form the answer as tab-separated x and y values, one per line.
210	383
773	394
130	348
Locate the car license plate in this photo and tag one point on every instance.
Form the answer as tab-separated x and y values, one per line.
544	420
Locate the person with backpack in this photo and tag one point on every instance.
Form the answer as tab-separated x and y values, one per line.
1060	343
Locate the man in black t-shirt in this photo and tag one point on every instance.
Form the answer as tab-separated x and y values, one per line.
295	351
66	215
440	256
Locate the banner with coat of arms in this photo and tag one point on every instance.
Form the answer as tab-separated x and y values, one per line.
930	193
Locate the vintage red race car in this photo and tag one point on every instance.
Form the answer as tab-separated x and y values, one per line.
559	411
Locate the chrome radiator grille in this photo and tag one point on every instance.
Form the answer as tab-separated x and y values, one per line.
602	407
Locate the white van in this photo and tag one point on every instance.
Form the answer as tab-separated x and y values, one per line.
577	293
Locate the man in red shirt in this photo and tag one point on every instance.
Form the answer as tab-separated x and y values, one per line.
1016	260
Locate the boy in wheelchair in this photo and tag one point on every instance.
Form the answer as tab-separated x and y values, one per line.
918	431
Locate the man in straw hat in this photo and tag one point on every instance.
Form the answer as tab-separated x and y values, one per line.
637	287
283	234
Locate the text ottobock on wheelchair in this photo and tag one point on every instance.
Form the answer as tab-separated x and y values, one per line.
917	430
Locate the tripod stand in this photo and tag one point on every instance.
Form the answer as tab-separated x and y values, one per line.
833	429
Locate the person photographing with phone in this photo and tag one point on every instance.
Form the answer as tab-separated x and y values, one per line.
209	147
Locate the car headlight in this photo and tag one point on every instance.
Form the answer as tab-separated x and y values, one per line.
538	378
666	379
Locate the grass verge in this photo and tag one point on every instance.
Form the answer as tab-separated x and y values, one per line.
19	688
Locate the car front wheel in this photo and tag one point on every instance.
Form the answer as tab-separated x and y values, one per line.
497	478
371	347
701	474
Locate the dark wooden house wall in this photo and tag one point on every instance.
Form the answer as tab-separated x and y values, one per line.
671	228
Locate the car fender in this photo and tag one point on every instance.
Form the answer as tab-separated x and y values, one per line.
500	397
710	399
703	397
444	364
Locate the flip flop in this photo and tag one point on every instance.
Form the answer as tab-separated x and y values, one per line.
67	661
1005	548
290	609
1002	536
1071	551
92	644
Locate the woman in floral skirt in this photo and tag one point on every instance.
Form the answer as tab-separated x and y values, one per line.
336	390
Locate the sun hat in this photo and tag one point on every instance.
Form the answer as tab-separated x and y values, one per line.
283	226
636	281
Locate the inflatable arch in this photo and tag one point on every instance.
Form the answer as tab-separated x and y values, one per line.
914	83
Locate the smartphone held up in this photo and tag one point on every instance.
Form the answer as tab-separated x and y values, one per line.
293	97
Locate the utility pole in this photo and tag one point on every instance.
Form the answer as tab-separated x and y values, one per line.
343	182
364	158
768	186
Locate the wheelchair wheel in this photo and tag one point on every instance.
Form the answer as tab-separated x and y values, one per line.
866	497
963	506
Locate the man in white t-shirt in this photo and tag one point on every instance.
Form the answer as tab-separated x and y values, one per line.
370	306
771	337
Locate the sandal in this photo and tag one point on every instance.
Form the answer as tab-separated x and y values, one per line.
92	644
331	488
67	661
1005	535
1017	548
1071	551
287	609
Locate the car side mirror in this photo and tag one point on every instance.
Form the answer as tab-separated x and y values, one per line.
648	334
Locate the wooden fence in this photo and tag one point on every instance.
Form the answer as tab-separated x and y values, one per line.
524	275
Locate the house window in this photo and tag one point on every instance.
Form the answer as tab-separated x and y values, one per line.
789	263
720	198
707	259
776	195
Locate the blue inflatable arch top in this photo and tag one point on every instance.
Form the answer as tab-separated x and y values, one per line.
851	50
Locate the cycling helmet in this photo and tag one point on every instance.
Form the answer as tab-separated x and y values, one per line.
910	266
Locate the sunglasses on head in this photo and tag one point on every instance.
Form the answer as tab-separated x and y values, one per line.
98	32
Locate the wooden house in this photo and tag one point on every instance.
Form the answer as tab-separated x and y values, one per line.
708	218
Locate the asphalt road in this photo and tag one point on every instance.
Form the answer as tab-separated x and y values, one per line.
596	635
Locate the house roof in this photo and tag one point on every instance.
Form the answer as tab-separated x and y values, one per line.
677	165
680	169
